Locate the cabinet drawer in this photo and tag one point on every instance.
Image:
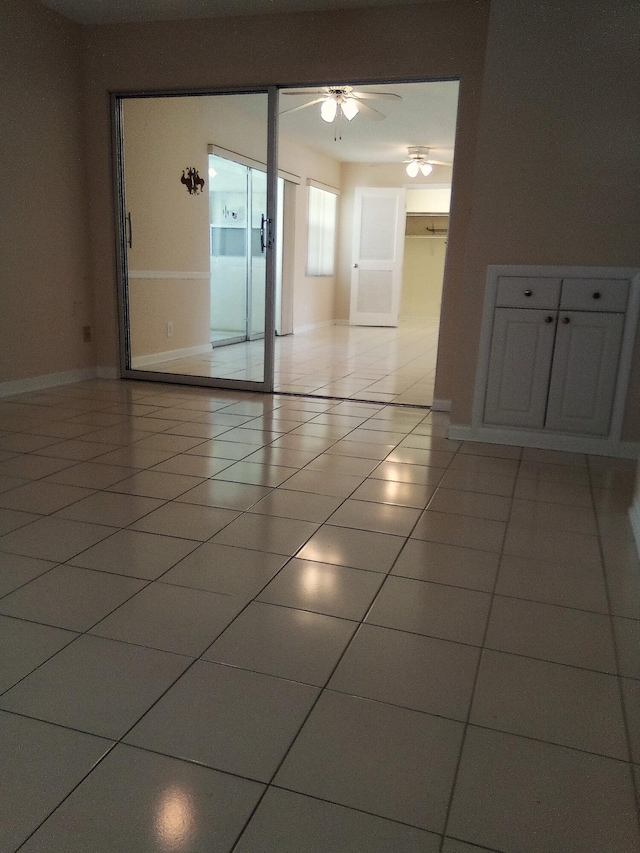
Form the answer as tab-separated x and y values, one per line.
594	294
526	292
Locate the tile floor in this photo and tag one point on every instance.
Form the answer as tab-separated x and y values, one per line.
235	622
395	365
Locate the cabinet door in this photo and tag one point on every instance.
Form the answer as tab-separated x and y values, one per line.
519	366
583	378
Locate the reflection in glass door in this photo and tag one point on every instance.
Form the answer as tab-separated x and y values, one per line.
196	248
238	212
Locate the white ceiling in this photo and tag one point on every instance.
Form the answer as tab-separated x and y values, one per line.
426	115
123	11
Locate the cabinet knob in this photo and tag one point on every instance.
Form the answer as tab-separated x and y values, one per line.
548	319
528	293
566	320
596	295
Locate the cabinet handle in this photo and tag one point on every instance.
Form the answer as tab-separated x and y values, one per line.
596	295
566	320
548	319
528	293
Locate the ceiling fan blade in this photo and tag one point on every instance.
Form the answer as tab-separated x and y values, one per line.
369	111
383	96
302	106
306	92
439	163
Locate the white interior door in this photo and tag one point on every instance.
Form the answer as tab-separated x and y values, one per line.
378	247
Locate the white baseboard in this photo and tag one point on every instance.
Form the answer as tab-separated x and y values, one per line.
49	380
313	326
169	355
341	323
440	405
634	518
546	440
108	372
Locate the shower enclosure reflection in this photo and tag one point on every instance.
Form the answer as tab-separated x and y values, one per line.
237	211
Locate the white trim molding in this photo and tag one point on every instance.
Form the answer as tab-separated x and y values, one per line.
169	355
298	330
108	372
179	275
634	518
440	405
545	440
49	380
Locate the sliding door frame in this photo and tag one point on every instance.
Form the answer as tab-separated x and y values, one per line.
123	234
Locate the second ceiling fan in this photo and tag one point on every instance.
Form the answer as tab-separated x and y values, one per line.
339	101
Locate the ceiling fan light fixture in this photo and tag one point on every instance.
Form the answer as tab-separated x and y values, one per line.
329	109
349	108
426	169
413	168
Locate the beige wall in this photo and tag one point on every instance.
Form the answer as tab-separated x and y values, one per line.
439	40
556	178
45	297
422	274
162	137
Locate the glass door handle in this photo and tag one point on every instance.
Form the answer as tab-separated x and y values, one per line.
262	233
130	234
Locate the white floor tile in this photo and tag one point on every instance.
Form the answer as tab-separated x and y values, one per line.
373	756
160	803
260	532
199	719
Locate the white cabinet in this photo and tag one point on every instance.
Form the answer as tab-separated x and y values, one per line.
519	367
584	372
554	365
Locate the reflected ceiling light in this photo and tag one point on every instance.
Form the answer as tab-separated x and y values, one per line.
212	172
419	161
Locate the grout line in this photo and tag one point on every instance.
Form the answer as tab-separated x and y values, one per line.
475	682
635	781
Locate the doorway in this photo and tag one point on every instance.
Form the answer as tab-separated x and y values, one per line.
247	337
388	356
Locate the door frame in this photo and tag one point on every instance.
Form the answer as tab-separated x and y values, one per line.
117	133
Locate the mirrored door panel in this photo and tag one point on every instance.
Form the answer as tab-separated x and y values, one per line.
196	258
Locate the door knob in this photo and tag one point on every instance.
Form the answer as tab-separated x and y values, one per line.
596	295
566	320
527	293
355	266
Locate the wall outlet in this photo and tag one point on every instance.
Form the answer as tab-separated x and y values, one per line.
169	329
86	334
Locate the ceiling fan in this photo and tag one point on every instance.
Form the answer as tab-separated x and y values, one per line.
339	101
419	161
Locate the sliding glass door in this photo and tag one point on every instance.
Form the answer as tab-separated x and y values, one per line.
197	244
